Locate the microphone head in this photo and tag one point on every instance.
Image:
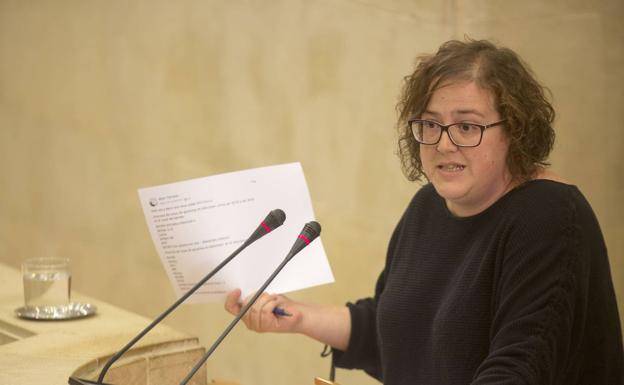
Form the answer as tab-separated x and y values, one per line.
275	219
272	221
311	230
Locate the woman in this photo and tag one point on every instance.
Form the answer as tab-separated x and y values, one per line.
497	273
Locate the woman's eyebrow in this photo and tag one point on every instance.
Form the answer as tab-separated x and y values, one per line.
432	113
469	111
463	111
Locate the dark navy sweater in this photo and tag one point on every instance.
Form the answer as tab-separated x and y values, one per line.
520	293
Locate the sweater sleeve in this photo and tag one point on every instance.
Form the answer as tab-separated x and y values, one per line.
540	297
363	350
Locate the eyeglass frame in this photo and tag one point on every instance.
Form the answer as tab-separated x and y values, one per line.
444	128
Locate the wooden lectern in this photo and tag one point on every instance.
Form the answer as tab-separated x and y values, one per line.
317	381
320	381
36	352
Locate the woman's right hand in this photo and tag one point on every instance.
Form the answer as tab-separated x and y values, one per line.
260	316
329	324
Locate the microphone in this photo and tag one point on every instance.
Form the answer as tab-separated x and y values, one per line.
310	232
272	221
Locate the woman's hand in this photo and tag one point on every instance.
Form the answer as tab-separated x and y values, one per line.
260	316
329	324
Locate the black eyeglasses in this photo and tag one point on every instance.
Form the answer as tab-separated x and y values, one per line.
461	134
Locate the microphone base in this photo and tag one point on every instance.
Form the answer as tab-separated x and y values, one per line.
82	381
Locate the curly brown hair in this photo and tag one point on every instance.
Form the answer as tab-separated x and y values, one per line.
518	98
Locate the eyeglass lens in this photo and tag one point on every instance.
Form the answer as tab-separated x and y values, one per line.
462	134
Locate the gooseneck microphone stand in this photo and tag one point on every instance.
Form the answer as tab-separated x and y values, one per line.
310	232
272	221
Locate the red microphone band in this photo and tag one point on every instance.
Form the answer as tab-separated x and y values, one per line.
267	228
305	239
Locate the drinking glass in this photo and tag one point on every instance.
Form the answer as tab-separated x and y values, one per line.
47	282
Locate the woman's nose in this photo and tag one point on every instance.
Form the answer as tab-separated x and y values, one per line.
446	144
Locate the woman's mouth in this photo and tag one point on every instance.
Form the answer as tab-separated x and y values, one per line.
451	167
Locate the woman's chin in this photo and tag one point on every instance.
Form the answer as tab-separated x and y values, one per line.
450	191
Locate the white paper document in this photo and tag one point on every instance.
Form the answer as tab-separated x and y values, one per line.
196	224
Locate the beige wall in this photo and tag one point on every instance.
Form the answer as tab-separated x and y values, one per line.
99	98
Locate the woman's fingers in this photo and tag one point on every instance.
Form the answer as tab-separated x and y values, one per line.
267	320
258	312
260	316
231	302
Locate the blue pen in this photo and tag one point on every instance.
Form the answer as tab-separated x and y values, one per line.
278	311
